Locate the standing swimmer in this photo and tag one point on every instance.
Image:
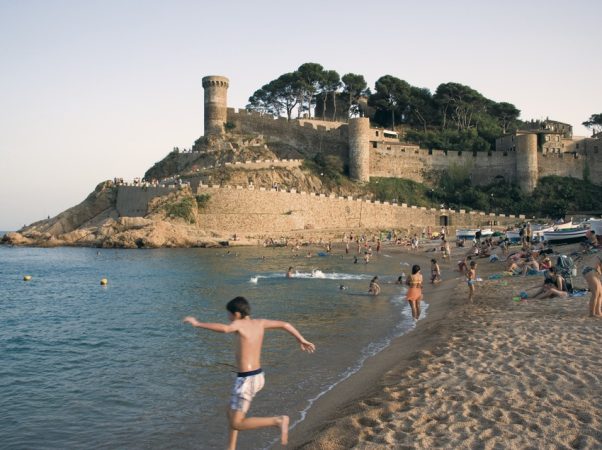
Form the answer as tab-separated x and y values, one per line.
435	272
471	279
414	295
374	288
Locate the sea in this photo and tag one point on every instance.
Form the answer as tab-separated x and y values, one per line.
85	366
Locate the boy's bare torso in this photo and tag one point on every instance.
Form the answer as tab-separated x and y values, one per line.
248	343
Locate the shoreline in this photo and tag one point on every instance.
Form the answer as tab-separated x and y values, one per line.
348	395
493	373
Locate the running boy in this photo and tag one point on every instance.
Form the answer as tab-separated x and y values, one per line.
471	279
250	379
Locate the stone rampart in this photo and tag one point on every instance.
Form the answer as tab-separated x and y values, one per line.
307	136
260	211
132	201
413	163
562	164
257	211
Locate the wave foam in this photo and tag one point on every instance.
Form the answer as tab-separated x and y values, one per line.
314	274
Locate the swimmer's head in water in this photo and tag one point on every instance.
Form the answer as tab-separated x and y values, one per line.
239	305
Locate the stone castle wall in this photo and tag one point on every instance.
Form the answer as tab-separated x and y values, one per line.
132	201
378	153
257	211
413	163
308	136
260	211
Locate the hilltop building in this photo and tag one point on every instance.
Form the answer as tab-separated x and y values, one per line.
543	148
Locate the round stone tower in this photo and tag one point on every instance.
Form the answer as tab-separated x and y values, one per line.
216	104
359	149
526	161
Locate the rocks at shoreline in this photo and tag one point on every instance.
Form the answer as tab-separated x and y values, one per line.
95	222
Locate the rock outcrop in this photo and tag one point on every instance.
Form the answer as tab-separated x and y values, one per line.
174	220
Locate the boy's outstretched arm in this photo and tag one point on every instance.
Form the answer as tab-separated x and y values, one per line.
306	346
218	327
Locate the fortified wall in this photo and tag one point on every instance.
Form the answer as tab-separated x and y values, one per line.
132	201
306	135
257	211
260	211
373	152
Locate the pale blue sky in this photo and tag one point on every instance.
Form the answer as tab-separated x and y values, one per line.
91	90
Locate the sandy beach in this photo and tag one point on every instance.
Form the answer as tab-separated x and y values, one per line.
493	374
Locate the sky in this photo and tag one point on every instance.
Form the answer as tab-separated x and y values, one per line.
92	90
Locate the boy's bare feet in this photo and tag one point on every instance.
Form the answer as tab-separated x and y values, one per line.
284	429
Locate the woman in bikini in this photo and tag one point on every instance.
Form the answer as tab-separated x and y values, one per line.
414	295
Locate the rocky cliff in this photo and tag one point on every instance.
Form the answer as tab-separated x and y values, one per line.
174	220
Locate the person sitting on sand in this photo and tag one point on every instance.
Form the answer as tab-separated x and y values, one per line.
374	288
554	285
289	272
531	263
471	279
592	277
435	272
414	294
250	379
549	290
546	263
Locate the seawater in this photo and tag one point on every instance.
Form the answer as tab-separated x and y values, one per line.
87	366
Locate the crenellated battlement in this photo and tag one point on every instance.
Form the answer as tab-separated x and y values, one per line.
374	152
255	117
215	81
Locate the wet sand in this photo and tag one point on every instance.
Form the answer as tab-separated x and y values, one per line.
493	374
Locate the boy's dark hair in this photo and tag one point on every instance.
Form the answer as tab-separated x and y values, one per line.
473	263
434	261
239	305
415	269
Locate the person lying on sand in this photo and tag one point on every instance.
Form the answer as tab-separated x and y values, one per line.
250	379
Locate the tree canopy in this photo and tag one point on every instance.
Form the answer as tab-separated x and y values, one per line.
454	117
594	123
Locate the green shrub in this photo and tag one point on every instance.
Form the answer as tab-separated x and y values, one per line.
202	200
183	209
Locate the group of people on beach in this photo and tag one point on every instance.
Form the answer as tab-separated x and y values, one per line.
250	332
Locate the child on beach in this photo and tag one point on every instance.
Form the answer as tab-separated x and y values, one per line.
594	285
435	272
471	279
374	288
250	379
414	295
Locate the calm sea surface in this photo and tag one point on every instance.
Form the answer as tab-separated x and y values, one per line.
84	366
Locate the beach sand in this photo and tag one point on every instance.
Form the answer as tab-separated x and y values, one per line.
493	374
